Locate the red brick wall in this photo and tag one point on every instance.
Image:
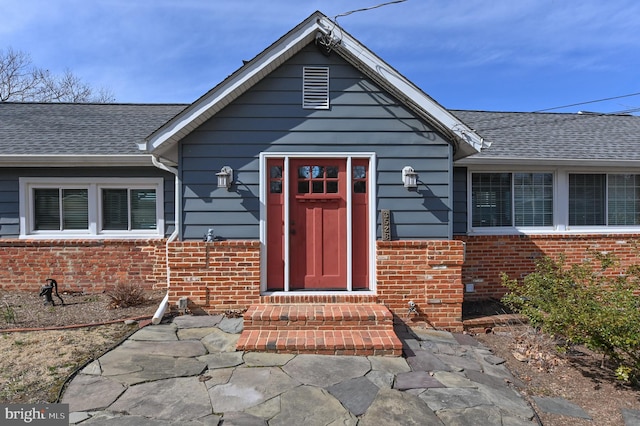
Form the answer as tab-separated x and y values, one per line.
425	272
225	275
81	265
215	276
489	256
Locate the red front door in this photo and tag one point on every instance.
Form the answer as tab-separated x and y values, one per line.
314	251
318	224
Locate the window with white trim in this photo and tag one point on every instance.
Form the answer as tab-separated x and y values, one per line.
511	199
604	199
91	207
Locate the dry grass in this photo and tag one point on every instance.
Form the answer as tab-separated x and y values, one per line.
34	365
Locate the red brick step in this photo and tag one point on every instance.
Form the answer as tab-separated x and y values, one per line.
320	328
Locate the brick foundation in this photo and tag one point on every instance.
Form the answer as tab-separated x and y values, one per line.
215	276
91	266
425	272
487	257
225	275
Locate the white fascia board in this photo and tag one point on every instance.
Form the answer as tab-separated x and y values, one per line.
74	160
220	96
412	93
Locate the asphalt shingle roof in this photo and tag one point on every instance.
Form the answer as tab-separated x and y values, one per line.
554	136
79	129
116	129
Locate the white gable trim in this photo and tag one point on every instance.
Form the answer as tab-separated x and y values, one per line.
242	80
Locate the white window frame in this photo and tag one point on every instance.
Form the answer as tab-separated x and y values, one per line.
560	203
94	187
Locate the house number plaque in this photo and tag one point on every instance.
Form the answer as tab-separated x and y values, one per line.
386	225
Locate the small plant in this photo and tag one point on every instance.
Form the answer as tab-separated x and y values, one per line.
584	305
9	314
125	296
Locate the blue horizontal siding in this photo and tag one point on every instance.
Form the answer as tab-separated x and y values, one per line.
270	118
10	200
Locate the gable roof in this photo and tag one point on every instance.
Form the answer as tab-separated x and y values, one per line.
555	138
317	25
54	134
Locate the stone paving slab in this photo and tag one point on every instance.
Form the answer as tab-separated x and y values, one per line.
103	393
221	360
631	417
560	406
195	333
310	406
426	361
392	407
248	387
197	321
435	336
453	380
457	362
183	348
179	399
355	394
266	359
151	367
93	368
236	418
454	398
485	415
231	325
387	364
219	341
160	332
381	379
326	370
416	380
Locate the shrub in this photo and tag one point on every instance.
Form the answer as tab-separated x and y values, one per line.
126	295
584	305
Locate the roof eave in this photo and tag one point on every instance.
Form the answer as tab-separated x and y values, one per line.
545	162
28	160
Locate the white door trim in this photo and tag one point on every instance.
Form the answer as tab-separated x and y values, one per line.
264	185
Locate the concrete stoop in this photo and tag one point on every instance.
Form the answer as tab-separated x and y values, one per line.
361	329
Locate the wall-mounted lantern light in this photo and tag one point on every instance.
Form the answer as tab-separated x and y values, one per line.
409	178
225	177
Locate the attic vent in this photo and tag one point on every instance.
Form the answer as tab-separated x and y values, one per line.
315	88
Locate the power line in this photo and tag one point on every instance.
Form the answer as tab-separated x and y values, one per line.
335	18
589	102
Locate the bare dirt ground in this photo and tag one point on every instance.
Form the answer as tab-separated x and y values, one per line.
547	368
35	364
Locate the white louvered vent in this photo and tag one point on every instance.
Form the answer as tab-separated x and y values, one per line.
315	88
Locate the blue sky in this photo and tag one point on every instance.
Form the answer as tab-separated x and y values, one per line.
496	55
